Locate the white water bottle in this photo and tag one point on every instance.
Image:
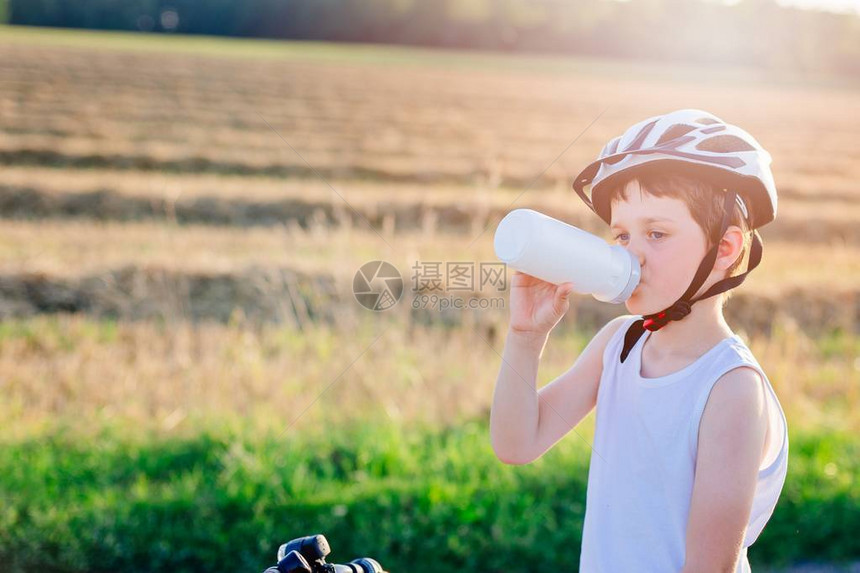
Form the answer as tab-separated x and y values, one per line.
556	252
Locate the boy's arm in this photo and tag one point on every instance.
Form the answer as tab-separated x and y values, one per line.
731	438
526	422
565	401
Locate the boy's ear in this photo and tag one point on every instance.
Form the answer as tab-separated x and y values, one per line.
730	248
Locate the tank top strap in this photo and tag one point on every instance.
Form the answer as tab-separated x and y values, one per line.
735	354
613	348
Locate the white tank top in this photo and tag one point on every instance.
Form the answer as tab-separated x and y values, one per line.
640	478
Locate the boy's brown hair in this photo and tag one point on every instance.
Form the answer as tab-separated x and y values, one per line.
704	201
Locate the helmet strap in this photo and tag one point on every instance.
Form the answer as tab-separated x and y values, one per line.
682	306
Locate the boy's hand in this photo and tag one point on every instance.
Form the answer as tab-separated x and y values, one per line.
537	305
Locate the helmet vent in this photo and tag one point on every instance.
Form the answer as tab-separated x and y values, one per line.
724	144
640	137
707	121
676	130
613	146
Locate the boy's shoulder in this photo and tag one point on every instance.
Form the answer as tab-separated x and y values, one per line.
740	390
742	382
745	355
737	401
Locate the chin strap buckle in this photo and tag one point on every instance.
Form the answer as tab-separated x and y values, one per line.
675	312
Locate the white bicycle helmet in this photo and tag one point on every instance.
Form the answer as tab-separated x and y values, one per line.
697	143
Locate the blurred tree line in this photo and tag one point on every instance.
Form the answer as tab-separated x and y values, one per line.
754	32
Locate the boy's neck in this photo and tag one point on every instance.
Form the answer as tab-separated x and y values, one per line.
695	334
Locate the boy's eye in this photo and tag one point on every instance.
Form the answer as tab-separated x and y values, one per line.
654	234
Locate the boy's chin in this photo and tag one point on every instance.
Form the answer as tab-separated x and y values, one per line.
636	304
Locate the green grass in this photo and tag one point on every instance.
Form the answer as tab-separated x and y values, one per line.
415	499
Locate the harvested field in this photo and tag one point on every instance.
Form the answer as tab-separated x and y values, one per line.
209	183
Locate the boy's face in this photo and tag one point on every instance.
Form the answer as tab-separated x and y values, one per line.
669	243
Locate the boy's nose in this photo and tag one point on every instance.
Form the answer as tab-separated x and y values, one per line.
637	252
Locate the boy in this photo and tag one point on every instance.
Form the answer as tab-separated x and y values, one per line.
691	443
